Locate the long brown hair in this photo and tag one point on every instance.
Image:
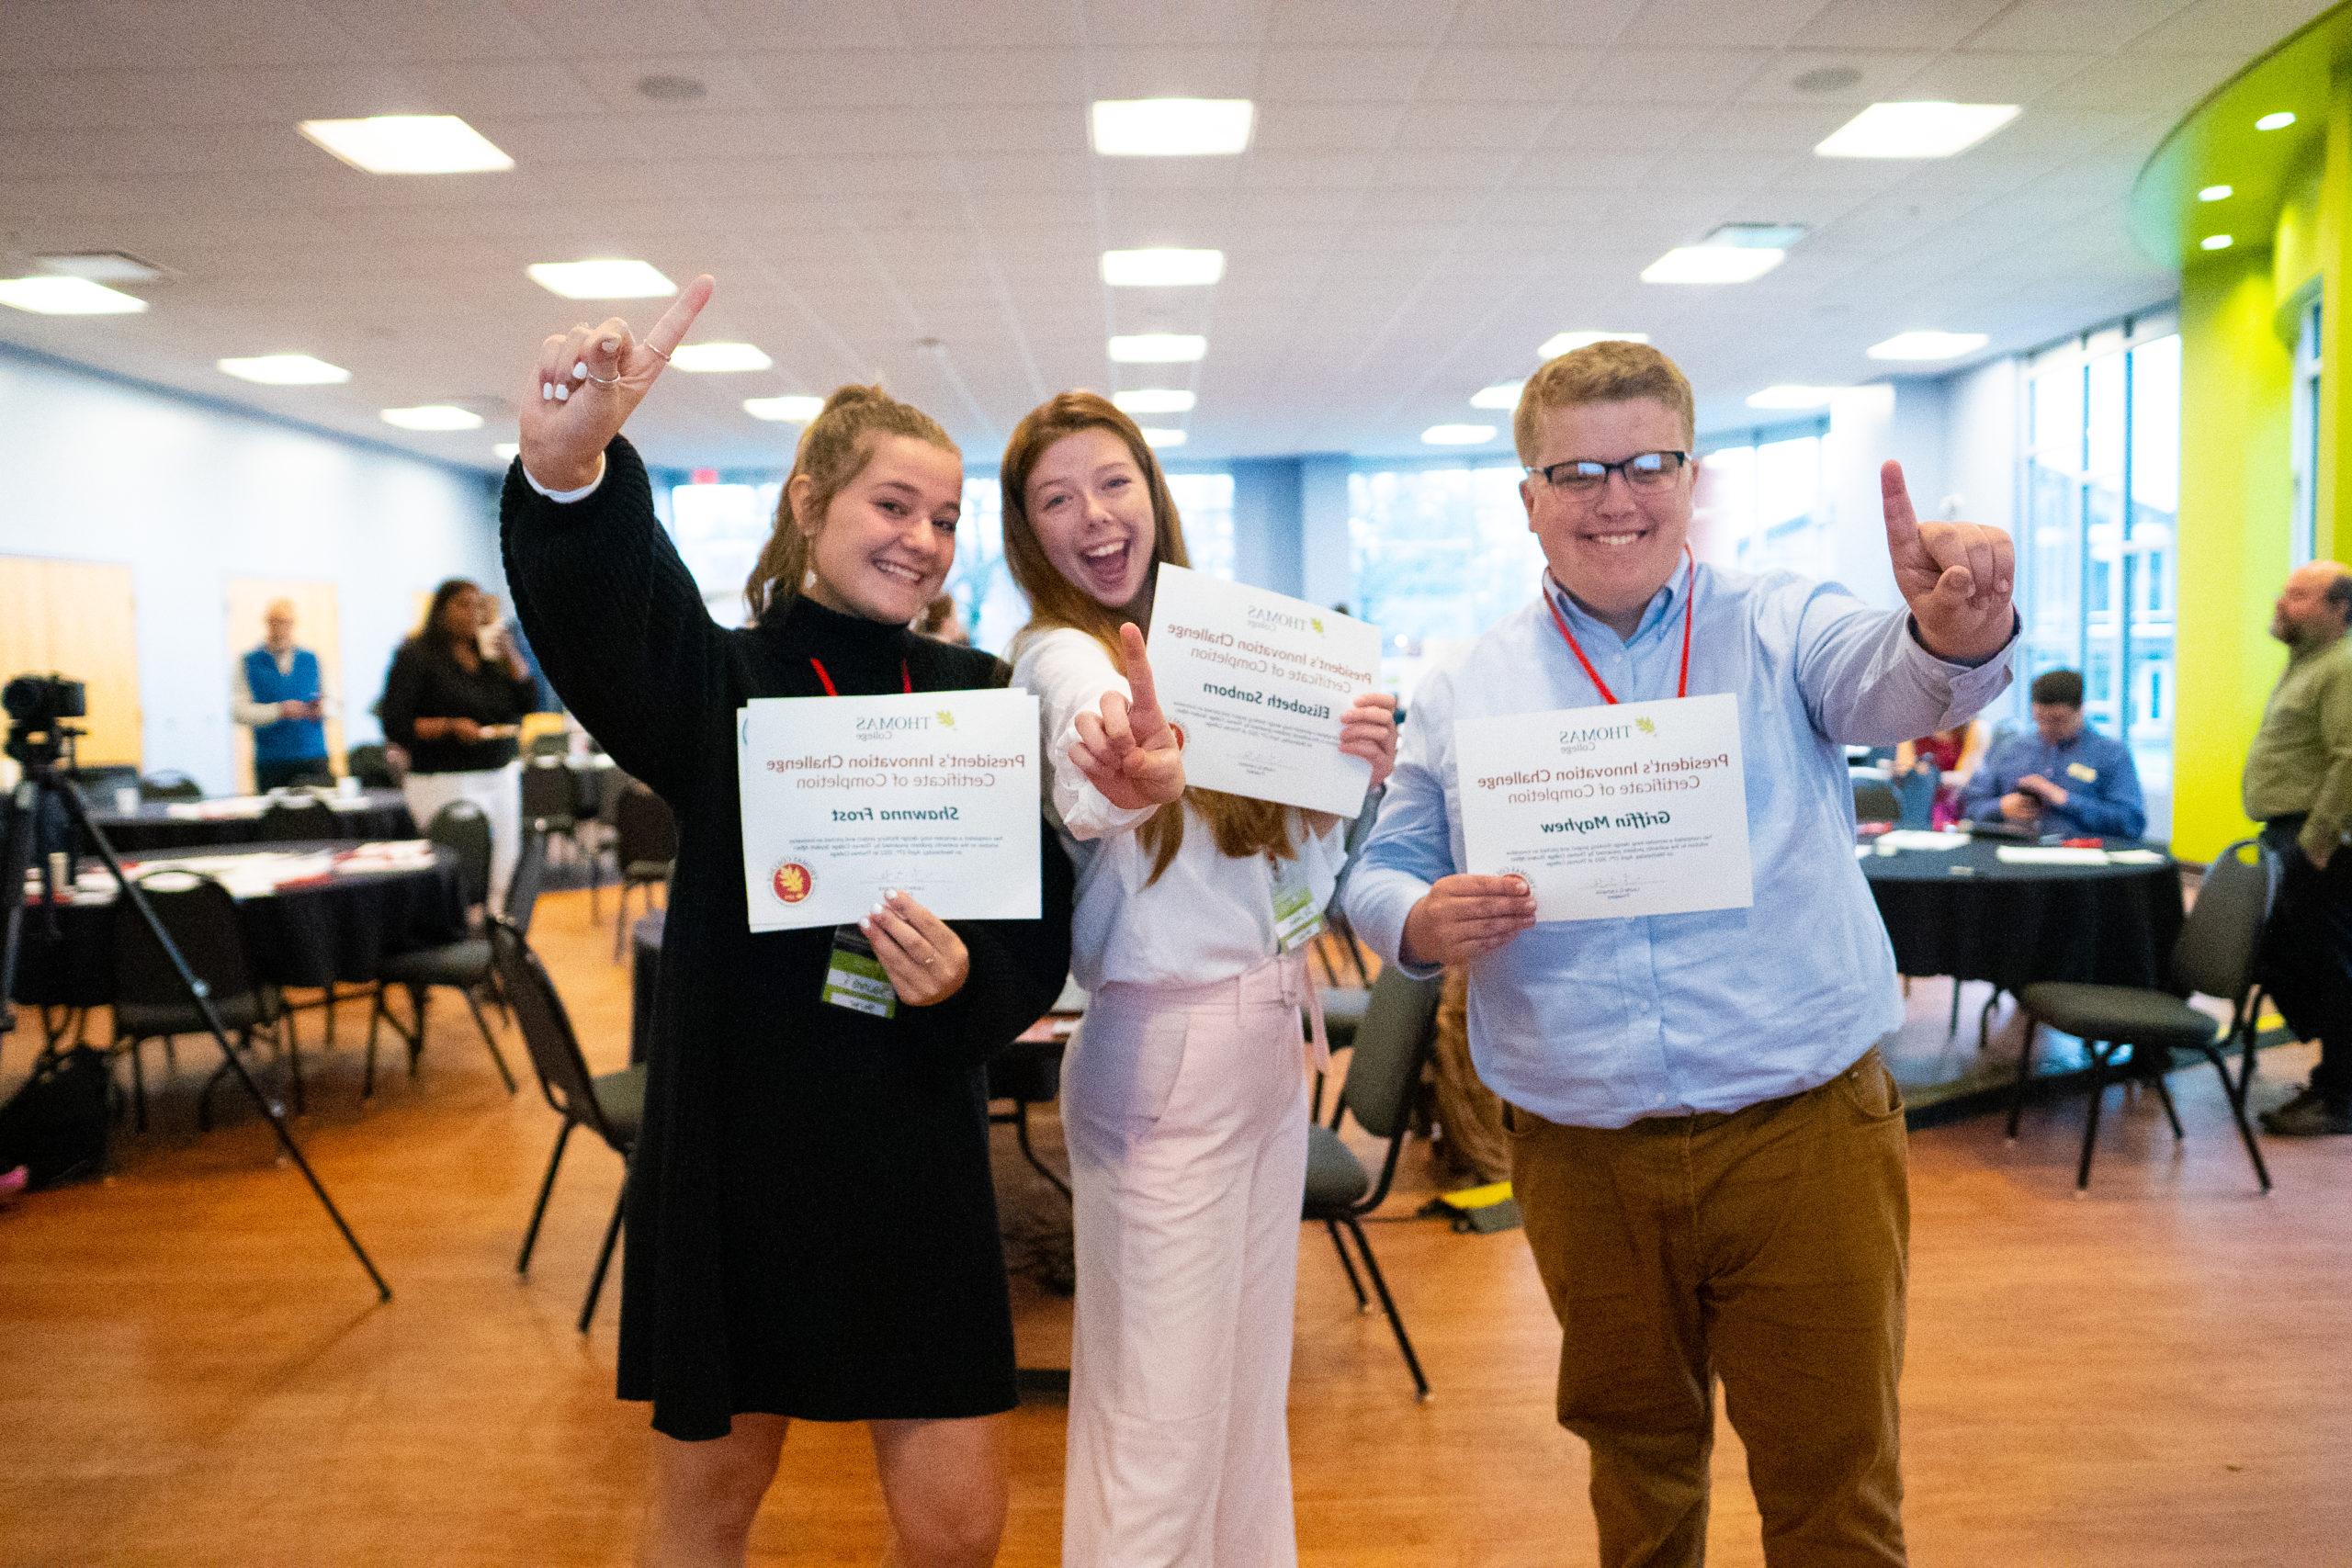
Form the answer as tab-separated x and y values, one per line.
430	634
1240	825
832	451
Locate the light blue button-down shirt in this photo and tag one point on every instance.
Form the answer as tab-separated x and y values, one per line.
1599	1024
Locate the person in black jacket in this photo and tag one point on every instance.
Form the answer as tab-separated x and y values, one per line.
812	1232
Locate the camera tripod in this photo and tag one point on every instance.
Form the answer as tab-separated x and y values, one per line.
43	757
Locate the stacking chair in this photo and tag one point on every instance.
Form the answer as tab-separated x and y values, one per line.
300	817
150	1001
170	785
2214	956
1875	800
645	844
371	765
611	1105
463	965
1392	1045
552	809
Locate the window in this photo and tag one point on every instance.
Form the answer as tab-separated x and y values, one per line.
1204	501
2303	543
1760	502
2102	512
1442	553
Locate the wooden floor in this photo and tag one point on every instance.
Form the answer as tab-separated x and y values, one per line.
192	1371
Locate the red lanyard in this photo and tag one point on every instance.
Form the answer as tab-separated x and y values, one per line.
906	682
1681	687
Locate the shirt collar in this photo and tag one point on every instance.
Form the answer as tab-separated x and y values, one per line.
1666	601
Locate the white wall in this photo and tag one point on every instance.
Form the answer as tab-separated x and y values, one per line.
192	494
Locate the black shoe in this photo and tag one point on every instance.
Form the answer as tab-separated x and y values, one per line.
2294	1104
2308	1116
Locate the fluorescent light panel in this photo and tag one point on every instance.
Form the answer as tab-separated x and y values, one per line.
285	370
408	144
1925	130
1559	344
2278	121
1155	400
719	357
797	408
50	294
1157	348
1927	346
1713	263
1162	435
1161	266
2215	243
1501	395
434	416
1789	395
1457	434
607	278
1172	128
2215	193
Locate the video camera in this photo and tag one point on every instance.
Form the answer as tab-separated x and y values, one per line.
38	708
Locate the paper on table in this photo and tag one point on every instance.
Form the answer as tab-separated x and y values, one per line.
2050	855
1913	838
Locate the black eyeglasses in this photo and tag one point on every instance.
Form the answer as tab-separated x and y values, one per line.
1583	476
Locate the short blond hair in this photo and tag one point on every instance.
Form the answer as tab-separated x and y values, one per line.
1607	372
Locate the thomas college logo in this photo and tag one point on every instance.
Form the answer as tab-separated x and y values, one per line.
792	882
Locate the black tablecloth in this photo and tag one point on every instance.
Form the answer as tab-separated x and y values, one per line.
383	815
340	930
1967	913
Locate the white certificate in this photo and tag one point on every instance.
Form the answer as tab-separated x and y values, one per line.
1638	809
1260	683
933	793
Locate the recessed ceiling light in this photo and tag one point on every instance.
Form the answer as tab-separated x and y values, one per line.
1929	129
1154	400
1157	348
101	266
50	294
667	89
1501	395
797	408
1457	434
718	356
2215	193
434	416
1559	344
1826	79
1789	395
1162	435
285	371
607	279
1713	263
1161	266
2278	121
1755	236
1927	346
408	144
1172	128
2215	243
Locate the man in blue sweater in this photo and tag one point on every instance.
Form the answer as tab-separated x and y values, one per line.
2065	778
279	695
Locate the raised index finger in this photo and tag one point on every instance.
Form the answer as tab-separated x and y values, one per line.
679	319
1901	522
1143	709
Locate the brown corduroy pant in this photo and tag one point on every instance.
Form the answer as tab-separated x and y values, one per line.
1764	1246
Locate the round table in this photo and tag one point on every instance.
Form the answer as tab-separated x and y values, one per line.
377	814
1967	913
311	934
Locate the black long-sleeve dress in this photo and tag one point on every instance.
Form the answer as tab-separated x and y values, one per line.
813	1231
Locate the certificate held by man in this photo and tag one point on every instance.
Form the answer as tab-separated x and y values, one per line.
1634	808
932	793
1261	683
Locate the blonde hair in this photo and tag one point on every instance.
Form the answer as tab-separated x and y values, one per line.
833	450
1606	372
1240	825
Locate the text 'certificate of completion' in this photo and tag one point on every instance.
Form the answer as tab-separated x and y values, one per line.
933	793
1638	809
1260	682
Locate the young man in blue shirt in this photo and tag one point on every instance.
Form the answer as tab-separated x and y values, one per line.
2065	778
1707	1149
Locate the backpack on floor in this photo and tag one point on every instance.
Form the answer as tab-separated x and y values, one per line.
57	1123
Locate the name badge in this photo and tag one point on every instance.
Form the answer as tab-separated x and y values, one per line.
1297	917
2077	770
855	979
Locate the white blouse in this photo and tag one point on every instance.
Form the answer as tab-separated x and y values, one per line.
1210	915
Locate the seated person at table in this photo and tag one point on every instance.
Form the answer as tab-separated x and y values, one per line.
2065	778
279	695
1949	758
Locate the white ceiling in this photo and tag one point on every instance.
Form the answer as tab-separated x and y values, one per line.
1434	188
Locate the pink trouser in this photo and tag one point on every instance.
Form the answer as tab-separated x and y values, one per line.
1185	1111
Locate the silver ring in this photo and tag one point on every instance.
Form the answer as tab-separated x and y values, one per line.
651	349
602	381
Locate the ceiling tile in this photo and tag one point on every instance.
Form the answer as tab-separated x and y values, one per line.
1179	22
1876	76
1896	24
1199	72
2245	28
1329	74
2091	26
1588	24
1293	127
1645	74
620	27
1758	23
1365	21
1447	127
1482	74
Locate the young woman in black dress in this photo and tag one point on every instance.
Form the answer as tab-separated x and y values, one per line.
812	1232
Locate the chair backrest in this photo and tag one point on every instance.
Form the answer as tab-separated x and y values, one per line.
2218	941
530	876
549	799
540	1013
554	744
170	785
643	830
98	782
201	917
1875	800
461	828
371	765
1391	1044
300	817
